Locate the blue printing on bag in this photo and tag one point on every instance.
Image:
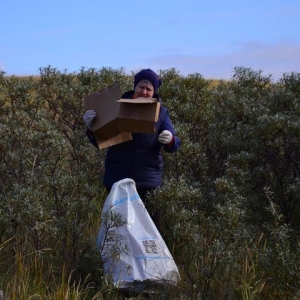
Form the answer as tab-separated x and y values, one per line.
124	199
152	257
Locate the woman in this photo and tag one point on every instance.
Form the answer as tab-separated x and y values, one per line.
140	159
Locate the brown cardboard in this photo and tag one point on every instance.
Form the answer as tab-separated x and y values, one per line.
138	100
107	109
120	138
138	115
118	118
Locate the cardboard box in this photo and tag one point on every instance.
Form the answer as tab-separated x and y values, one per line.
118	118
138	115
120	138
104	103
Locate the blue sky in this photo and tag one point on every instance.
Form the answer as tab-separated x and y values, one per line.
207	37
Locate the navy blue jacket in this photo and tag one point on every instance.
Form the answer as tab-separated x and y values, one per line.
139	159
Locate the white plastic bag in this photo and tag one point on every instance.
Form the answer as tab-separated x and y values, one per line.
134	253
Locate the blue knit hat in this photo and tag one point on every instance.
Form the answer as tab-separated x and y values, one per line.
150	75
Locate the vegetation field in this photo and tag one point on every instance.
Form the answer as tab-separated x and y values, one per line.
230	199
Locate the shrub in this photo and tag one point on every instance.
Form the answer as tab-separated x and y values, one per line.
230	198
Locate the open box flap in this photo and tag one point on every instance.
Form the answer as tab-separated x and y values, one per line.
120	138
138	100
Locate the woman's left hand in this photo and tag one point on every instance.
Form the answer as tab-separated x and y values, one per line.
165	137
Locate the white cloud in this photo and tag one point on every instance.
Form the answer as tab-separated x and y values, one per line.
275	59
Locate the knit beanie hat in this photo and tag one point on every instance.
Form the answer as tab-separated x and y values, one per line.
150	75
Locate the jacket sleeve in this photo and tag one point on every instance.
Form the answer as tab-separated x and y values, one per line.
91	138
166	124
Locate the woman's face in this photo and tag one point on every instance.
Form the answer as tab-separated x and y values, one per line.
144	89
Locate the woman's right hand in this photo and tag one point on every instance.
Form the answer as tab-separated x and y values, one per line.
88	118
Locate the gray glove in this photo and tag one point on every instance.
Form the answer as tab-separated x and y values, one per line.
165	137
88	118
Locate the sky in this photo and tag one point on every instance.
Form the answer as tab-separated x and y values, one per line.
193	36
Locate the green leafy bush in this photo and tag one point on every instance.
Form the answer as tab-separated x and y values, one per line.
230	198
